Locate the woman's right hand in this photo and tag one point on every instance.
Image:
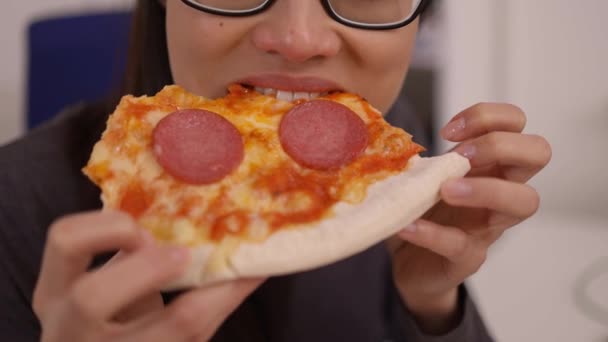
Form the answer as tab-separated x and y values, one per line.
121	300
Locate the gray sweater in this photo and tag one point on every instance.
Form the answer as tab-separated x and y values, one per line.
351	300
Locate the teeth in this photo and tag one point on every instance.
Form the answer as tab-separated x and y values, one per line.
300	95
285	95
289	96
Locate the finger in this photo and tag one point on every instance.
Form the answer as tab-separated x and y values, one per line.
146	240
393	244
141	308
449	242
105	292
74	240
525	155
198	313
508	198
482	119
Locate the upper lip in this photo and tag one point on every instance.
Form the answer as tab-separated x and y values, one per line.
309	84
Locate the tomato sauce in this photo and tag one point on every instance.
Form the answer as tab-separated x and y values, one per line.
234	223
315	185
323	188
135	199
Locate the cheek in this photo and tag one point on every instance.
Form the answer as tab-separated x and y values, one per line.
384	57
198	45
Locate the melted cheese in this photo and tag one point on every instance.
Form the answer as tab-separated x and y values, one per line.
268	191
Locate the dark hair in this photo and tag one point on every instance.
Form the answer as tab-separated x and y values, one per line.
148	69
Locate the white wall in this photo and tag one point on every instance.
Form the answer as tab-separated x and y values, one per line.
558	69
14	18
550	57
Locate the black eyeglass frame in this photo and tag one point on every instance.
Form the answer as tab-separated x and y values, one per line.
326	5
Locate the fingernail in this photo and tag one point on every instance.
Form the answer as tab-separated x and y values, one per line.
458	188
453	128
466	150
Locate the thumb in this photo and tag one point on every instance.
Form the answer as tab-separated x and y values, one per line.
226	296
199	312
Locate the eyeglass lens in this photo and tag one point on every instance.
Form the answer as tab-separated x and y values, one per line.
357	11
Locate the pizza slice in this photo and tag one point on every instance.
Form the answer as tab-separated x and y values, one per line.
256	186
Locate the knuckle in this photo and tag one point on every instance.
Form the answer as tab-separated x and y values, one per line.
38	303
486	114
481	112
460	245
60	237
481	107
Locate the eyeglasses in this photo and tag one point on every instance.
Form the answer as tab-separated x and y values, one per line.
364	14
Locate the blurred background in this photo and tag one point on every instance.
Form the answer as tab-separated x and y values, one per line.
547	279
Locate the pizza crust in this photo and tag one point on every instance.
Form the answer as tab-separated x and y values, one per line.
390	205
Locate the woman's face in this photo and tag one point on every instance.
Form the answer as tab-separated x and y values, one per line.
294	46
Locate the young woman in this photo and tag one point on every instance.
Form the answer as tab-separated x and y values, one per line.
410	291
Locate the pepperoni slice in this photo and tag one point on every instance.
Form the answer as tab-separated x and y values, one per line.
197	146
323	134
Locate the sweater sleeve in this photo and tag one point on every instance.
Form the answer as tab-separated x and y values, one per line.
17	319
470	327
40	180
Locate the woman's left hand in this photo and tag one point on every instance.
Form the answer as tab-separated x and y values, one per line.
433	256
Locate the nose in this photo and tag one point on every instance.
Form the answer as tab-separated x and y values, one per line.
297	30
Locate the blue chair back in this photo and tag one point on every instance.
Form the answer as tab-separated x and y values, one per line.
74	59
